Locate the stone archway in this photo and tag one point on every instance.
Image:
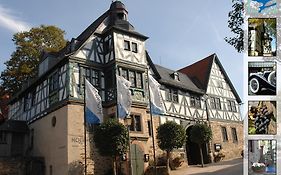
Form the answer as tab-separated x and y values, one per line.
193	152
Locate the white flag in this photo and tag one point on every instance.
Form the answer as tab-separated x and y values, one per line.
157	104
124	99
93	104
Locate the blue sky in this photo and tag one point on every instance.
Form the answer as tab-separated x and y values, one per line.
180	32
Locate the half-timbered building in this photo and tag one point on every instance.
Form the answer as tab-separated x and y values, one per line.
52	103
221	105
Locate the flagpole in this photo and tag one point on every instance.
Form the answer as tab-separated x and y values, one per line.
116	93
151	119
128	126
117	108
85	139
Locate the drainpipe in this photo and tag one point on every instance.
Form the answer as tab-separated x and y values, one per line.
205	98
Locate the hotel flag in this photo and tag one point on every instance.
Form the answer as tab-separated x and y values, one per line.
124	99
93	102
157	104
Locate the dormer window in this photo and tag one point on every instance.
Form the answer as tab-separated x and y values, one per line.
175	75
126	45
134	47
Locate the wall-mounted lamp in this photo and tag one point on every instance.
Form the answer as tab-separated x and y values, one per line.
124	157
146	157
217	146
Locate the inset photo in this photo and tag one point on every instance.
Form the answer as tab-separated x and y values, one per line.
262	117
262	78
262	157
262	37
264	7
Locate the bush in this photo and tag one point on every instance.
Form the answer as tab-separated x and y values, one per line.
177	162
160	171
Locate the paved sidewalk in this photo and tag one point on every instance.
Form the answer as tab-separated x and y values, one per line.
229	167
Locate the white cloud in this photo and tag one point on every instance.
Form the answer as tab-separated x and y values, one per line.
11	22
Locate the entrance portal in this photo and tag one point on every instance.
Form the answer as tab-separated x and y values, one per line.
193	151
137	159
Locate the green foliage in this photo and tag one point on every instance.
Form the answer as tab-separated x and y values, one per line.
269	24
24	60
200	133
235	23
170	135
111	138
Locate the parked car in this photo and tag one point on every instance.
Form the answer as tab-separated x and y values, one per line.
262	81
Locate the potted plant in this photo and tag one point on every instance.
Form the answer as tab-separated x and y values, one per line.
258	167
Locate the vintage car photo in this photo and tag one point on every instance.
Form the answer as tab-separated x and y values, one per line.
262	78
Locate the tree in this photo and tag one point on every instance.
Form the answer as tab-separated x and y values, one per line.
170	136
200	134
235	23
24	60
112	139
270	24
4	108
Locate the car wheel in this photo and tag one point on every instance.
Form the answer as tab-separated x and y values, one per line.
254	85
272	78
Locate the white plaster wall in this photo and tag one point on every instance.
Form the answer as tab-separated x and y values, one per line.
51	142
121	54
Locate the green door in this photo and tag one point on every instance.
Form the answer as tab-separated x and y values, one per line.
137	160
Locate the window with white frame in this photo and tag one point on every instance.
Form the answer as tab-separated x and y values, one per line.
231	106
172	95
136	123
215	102
224	134
195	101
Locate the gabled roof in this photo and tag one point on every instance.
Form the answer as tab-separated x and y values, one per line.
183	83
164	76
200	72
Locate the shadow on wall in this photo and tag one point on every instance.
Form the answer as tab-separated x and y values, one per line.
101	164
76	168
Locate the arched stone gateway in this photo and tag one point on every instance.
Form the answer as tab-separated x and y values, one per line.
193	152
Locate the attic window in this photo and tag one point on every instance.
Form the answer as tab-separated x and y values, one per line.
126	45
135	47
176	76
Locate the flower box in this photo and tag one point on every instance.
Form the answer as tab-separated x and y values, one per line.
258	167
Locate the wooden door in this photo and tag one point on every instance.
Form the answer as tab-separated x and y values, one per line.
137	160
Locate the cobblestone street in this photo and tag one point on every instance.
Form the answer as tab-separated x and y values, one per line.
230	167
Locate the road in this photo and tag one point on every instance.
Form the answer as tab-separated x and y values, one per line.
231	167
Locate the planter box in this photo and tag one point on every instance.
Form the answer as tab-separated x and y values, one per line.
259	169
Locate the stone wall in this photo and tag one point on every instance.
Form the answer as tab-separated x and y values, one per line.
96	164
11	166
230	148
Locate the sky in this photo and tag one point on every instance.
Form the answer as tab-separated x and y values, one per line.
180	32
